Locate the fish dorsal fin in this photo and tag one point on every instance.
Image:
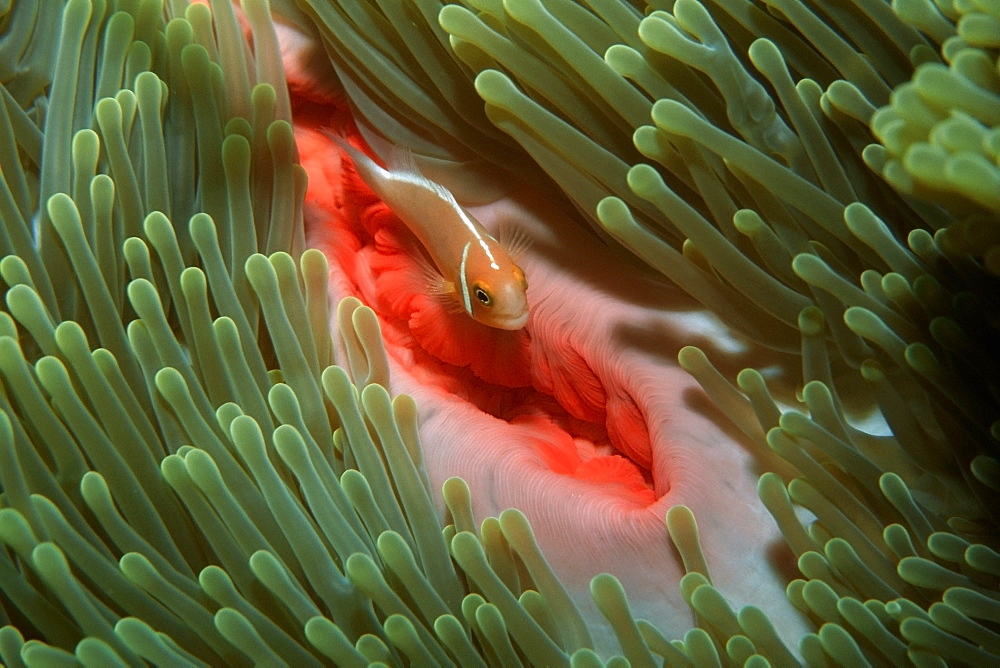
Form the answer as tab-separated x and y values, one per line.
402	163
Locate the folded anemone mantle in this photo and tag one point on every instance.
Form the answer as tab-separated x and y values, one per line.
583	420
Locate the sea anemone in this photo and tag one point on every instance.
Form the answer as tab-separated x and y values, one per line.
189	477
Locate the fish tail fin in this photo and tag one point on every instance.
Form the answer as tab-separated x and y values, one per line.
366	166
355	184
342	139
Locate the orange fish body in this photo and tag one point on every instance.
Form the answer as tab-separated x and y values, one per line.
471	268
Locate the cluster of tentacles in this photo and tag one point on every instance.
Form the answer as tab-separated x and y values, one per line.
188	477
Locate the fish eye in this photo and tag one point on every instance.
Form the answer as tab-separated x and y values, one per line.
482	295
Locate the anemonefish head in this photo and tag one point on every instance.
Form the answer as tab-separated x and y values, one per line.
492	287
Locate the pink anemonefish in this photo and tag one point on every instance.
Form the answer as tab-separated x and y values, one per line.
472	271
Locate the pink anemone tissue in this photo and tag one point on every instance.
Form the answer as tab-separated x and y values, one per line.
583	420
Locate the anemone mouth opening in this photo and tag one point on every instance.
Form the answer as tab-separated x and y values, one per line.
580	448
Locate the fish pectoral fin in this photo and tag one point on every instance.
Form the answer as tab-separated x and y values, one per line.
432	277
443	291
446	295
514	240
437	286
450	302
